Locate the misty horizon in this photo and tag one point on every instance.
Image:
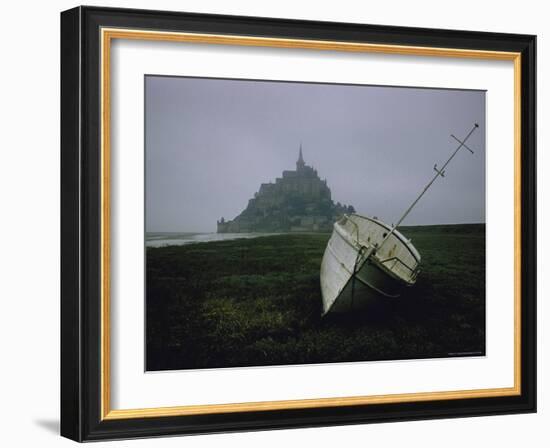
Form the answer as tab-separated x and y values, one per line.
211	143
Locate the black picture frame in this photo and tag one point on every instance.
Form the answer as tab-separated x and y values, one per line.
81	381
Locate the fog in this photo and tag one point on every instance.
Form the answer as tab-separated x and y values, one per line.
210	143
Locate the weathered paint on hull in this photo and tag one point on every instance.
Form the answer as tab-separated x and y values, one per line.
346	285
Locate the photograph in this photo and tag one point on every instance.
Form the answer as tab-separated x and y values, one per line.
306	223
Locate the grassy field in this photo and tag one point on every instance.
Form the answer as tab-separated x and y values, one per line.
258	302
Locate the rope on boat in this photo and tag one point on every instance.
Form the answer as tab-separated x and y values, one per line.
356	268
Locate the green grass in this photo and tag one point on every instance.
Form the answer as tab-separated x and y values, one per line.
253	302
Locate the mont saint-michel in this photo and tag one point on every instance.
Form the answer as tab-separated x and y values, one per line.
299	201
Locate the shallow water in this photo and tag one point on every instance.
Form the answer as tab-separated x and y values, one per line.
159	239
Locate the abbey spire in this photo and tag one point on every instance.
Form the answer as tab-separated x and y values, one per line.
300	164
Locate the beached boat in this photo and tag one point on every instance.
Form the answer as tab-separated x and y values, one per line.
364	261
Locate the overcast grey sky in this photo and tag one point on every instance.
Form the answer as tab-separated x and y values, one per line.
210	143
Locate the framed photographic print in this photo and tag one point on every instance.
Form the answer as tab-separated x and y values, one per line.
272	223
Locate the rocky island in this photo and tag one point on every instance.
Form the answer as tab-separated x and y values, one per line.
299	201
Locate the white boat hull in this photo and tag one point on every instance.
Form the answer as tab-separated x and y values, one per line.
349	280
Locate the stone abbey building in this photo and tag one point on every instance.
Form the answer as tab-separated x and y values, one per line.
299	201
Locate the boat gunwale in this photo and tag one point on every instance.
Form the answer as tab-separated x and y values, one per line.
376	261
407	242
345	236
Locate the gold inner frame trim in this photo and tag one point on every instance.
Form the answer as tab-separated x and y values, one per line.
107	35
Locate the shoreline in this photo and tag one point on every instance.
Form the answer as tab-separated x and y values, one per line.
166	239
